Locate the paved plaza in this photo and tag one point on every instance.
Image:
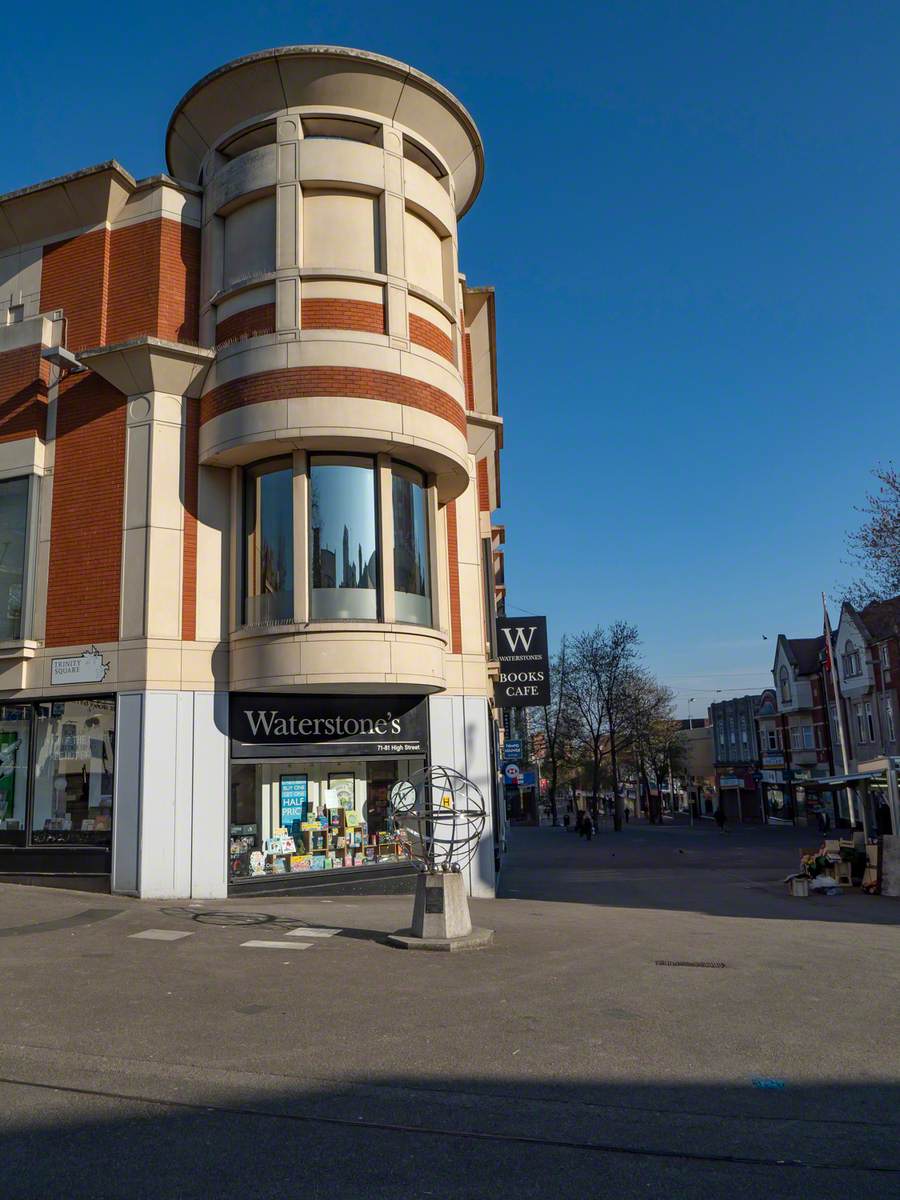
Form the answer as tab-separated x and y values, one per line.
656	1017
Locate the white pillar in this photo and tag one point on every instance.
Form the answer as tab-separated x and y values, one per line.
170	814
459	737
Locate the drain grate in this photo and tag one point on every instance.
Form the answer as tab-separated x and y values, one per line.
674	962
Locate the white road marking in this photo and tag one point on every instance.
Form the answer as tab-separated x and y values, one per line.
303	932
279	945
162	935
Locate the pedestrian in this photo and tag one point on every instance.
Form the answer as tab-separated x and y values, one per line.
627	814
720	817
579	823
588	826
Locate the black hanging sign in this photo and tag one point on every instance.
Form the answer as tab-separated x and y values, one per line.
524	662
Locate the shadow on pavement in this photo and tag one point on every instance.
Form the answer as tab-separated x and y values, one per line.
164	1136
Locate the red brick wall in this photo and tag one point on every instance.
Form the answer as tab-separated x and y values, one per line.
154	280
252	322
467	362
361	315
75	277
425	333
453	570
88	493
484	491
117	285
331	381
23	394
191	488
179	286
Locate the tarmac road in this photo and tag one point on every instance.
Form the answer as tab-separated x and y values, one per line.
564	1061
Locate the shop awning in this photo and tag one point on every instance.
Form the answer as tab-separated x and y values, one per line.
836	781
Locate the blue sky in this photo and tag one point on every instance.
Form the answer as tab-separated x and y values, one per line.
690	214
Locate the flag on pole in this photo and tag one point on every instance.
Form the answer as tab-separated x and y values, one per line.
839	708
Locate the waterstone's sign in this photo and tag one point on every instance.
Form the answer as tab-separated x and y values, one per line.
524	662
298	726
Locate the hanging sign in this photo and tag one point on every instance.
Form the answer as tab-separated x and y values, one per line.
524	662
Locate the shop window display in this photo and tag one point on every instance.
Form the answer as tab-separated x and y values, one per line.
73	772
308	816
15	746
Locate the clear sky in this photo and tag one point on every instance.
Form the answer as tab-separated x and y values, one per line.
690	214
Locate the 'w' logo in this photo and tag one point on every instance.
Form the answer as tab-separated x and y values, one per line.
520	636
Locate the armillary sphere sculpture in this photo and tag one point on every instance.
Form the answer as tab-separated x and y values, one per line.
440	816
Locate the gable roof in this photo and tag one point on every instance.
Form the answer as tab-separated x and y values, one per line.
804	653
881	618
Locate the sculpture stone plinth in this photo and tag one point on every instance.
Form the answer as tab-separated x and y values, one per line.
441	918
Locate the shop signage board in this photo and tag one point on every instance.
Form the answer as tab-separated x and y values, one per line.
304	726
524	662
512	750
88	667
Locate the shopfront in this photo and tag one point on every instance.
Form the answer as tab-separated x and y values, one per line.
310	783
56	787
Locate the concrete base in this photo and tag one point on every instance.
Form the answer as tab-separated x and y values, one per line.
441	918
473	940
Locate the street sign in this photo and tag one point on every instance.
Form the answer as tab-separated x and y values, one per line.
511	772
512	749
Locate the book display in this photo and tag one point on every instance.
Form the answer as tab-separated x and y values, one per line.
337	837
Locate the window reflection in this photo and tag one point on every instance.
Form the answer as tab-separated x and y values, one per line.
412	581
73	771
15	743
343	539
269	531
13	519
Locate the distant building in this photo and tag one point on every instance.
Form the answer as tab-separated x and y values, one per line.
794	732
699	765
736	757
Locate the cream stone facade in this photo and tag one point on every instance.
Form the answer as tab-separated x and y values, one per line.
229	346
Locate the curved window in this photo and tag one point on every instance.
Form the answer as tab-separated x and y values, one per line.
412	580
269	542
343	539
785	686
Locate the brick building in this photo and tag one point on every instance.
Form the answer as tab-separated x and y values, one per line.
249	455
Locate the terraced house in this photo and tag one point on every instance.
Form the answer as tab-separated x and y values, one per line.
249	453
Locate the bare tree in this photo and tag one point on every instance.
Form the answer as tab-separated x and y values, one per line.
557	721
603	664
875	547
648	703
586	698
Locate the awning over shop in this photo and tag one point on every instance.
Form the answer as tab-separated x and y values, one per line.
837	781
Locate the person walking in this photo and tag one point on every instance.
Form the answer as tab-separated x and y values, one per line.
588	826
720	818
579	823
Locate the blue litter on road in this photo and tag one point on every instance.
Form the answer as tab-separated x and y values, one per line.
769	1084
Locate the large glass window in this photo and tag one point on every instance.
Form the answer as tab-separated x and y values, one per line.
13	528
269	543
73	771
343	539
412	582
15	744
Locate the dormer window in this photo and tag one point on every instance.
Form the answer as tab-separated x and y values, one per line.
852	660
784	683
